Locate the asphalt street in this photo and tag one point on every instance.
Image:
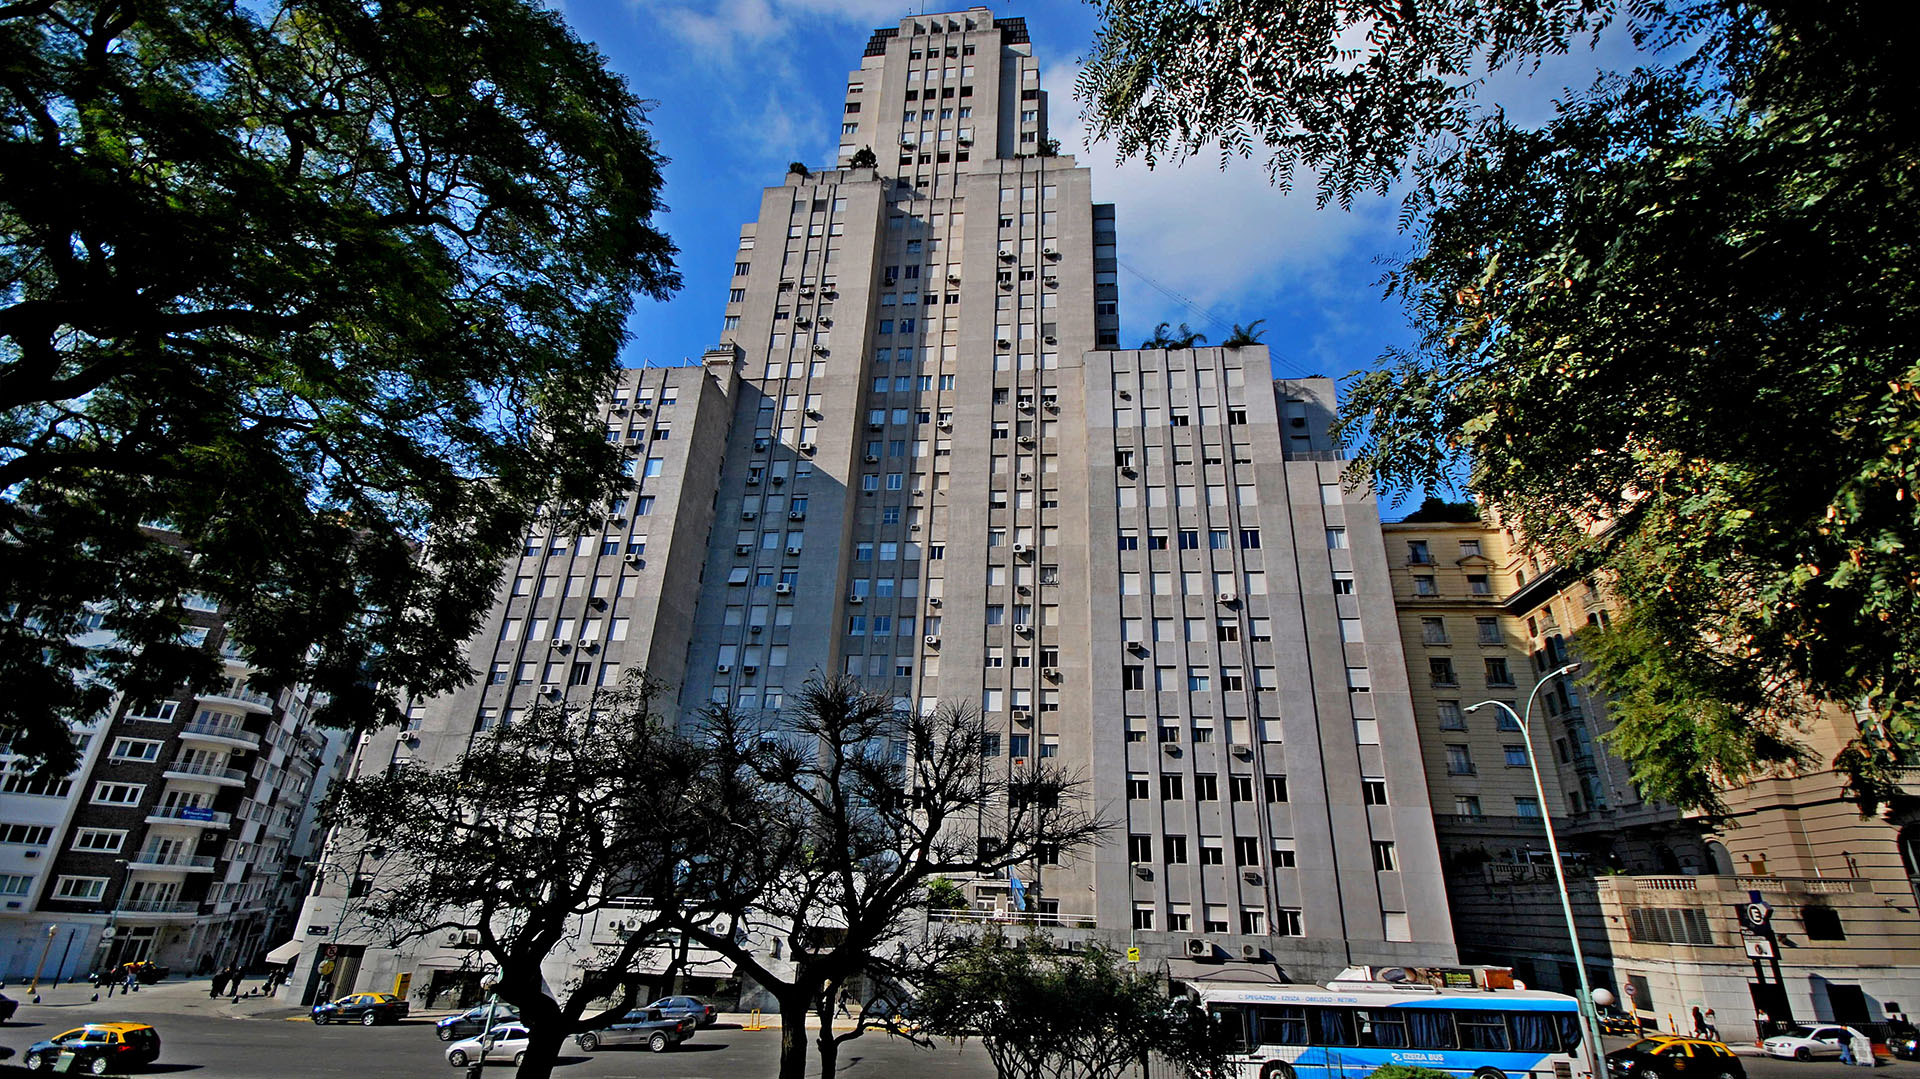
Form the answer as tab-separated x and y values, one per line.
254	1039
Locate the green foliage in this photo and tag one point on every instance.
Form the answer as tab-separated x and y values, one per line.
799	168
1435	509
1038	1012
943	894
864	158
309	284
1242	336
1184	338
1670	335
1408	1071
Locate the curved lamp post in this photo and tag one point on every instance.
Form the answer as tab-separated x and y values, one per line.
1525	719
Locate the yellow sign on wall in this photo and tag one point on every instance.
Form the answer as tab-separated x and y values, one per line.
1133	955
402	983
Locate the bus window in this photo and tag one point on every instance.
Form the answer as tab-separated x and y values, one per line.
1485	1031
1569	1024
1533	1032
1283	1026
1381	1027
1231	1021
1332	1026
1429	1028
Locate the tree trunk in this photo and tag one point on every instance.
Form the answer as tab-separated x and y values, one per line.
793	1037
543	1051
829	1049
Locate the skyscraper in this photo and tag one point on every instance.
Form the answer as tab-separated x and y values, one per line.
918	456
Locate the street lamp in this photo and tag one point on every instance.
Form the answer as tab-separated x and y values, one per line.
1525	720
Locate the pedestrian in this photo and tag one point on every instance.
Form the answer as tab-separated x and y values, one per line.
1699	1023
218	980
1713	1025
133	979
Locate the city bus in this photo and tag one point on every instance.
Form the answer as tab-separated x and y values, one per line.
1346	1030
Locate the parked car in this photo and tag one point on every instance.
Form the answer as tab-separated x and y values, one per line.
469	1022
1672	1057
8	1006
1619	1025
643	1026
507	1041
1904	1043
97	1048
706	1013
363	1008
1805	1042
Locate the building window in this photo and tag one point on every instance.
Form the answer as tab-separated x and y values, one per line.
1433	631
1206	788
1246	851
1516	755
1466	805
1286	922
1212	852
1479	584
1527	806
1139	849
1176	850
1459	760
1497	672
1276	788
1143	916
1489	630
1450	715
1241	787
1440	668
84	889
1172	789
1669	925
1373	792
1384	859
1336	539
119	794
1423	585
1139	786
1418	553
1253	922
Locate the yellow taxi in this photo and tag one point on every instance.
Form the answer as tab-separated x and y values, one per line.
1670	1056
97	1048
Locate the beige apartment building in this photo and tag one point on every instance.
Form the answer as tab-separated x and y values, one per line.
1657	892
917	456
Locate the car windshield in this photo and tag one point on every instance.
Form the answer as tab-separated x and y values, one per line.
1799	1032
1645	1045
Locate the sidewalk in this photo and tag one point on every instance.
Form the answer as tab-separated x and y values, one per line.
182	996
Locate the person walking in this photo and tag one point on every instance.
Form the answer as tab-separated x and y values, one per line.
1699	1023
1713	1025
218	981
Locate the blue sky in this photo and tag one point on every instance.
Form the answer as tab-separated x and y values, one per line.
742	87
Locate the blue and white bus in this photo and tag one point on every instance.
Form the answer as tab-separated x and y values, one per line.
1347	1030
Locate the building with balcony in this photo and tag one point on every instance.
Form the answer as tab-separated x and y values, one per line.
918	456
172	839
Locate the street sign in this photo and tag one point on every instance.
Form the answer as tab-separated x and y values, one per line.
1133	955
1759	948
1630	992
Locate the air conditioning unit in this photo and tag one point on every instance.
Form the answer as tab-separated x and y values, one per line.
1022	715
749	515
1007	254
803	322
557	645
945	425
779	480
1050	252
1137	648
617	521
797	515
1051	282
753	481
1199	947
1249	951
1006	284
934	601
876	425
760	445
1051	404
1128	471
1023	629
1026	404
1144	872
549	689
931	640
814	412
806	447
1026	440
743	549
1250	876
913	528
872	458
1020	548
1003	343
756	628
619	410
1170	749
856	599
1051	339
1243	752
1051	674
723	668
783	589
793	552
643	408
749	670
806	290
634	560
907	140
1229	598
954	277
1023	590
820	349
30	853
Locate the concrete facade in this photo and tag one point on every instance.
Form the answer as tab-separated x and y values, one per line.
916	456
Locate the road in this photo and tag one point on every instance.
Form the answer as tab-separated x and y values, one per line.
218	1047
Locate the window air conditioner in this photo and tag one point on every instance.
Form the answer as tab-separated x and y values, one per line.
779	480
793	552
954	277
876	425
1052	340
634	560
749	669
1020	548
753	481
856	599
723	668
806	447
1229	598
1050	252
1051	674
760	445
1007	255
933	601
820	349
1137	648
814	412
1243	752
945	425
1023	629
1128	471
1251	877
1249	951
783	589
749	515
1004	343
1026	404
931	641
1022	715
1199	947
548	689
872	458
797	515
643	408
756	628
803	322
743	549
1026	440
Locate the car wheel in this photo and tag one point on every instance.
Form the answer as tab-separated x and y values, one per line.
1803	1053
322	1019
98	1066
1276	1069
1489	1073
369	1019
659	1042
31	1061
446	1033
457	1058
519	1058
588	1042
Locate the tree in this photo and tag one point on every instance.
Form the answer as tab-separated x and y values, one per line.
1185	338
864	158
1082	1015
1669	334
877	804
1243	336
564	816
304	309
1434	508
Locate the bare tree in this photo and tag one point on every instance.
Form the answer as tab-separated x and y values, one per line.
874	803
579	809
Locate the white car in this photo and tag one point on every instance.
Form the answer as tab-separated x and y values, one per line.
1806	1042
507	1041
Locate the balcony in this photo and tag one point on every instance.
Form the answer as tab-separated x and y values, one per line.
156	909
172	863
191	816
970	916
230	735
205	773
235	694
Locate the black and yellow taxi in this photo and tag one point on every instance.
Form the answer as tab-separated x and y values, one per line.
1669	1056
97	1048
363	1008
